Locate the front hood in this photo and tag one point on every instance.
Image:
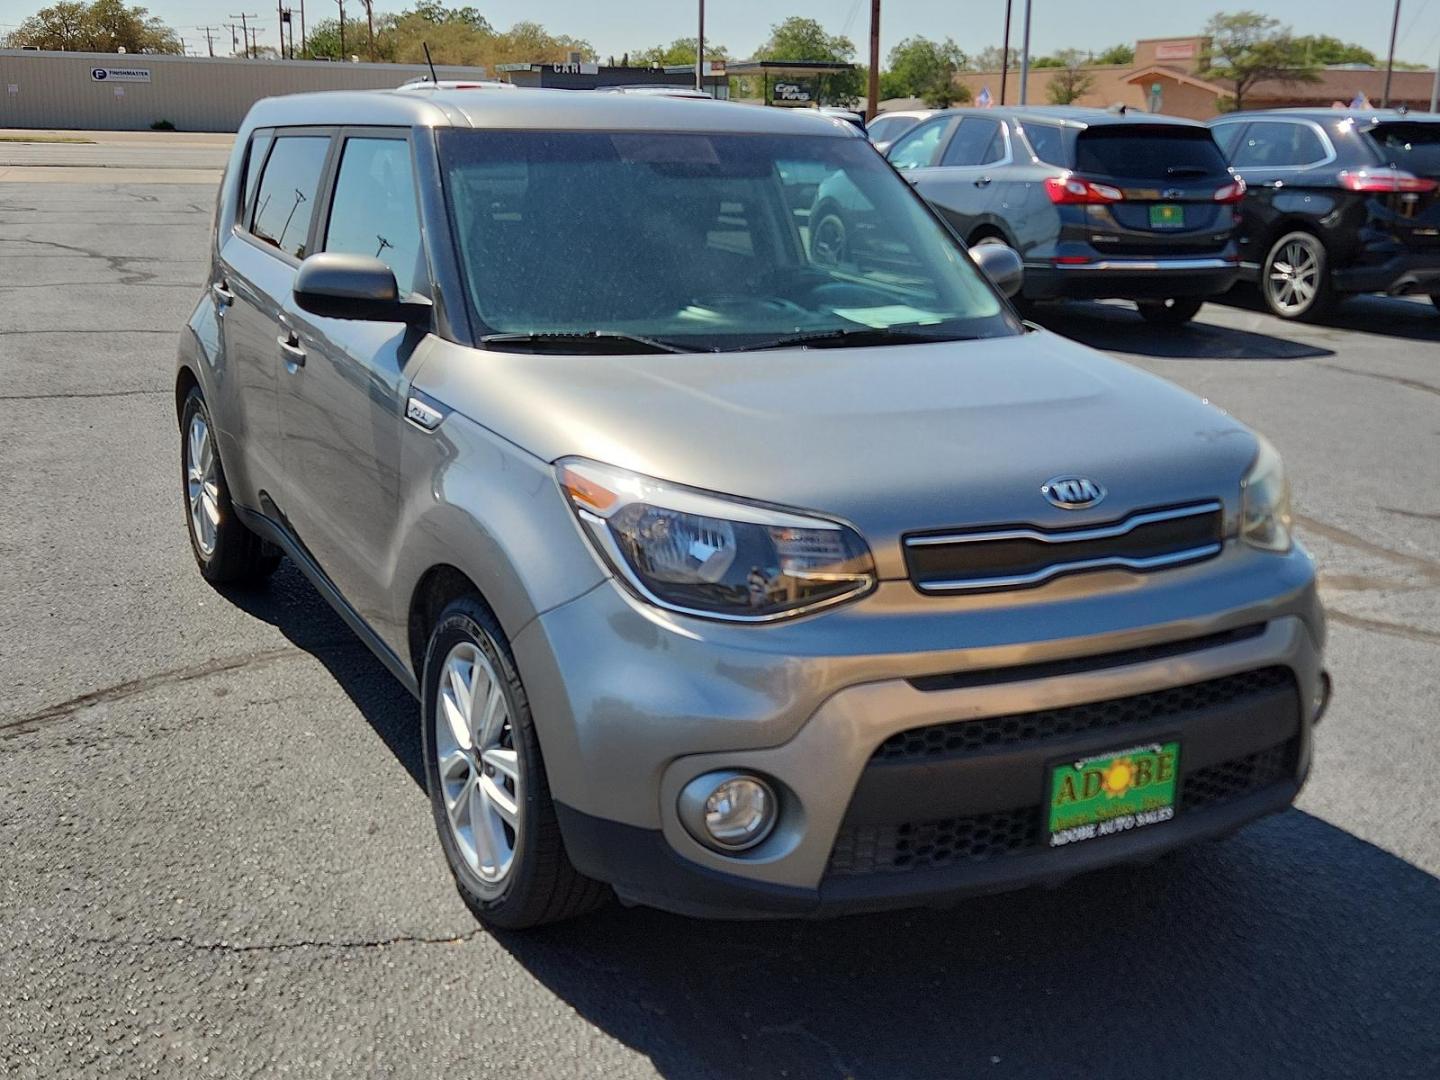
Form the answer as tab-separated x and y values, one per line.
894	439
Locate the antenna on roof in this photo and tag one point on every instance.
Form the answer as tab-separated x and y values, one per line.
433	78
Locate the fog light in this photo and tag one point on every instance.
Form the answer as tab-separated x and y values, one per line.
728	811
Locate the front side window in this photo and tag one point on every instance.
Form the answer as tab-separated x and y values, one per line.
373	211
285	199
718	241
977	141
916	149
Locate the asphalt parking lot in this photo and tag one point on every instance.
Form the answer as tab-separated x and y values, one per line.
217	859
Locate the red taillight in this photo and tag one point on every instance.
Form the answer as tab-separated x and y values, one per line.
1071	190
1232	192
1385	181
1070	260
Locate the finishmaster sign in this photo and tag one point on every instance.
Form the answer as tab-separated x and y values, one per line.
109	74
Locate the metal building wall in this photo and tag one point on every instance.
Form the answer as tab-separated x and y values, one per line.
58	90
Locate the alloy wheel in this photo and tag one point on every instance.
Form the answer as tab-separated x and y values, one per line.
479	764
202	484
1294	278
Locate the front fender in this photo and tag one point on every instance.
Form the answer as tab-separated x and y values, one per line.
473	501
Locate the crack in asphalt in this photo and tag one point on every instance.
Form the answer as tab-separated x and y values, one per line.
60	395
24	725
288	946
1399	380
797	1027
1379	626
1426	566
128	275
1418	515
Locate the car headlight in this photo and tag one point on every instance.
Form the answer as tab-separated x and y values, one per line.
711	555
1265	502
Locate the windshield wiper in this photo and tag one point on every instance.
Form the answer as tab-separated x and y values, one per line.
857	335
612	340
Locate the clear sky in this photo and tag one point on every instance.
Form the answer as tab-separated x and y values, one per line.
620	25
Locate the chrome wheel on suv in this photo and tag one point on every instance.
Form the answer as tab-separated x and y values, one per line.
486	778
478	763
1295	280
224	549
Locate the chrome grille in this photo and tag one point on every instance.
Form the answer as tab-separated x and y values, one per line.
1024	556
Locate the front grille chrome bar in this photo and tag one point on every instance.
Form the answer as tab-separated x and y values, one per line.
1061	565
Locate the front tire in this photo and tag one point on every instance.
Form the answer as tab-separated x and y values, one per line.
1176	311
486	778
225	550
1295	277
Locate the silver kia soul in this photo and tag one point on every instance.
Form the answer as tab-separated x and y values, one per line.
732	578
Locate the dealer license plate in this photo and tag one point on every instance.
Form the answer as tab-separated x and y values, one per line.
1112	793
1167	216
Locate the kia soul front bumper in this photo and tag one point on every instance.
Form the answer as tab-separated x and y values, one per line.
917	775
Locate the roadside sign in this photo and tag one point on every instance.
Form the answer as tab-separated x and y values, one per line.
109	74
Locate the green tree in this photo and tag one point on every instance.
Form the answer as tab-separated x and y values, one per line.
102	26
919	67
990	57
801	39
679	51
1325	50
1247	47
1117	55
1071	81
433	11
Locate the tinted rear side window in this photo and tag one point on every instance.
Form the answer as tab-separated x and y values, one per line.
1147	153
1048	143
1410	145
286	197
1273	144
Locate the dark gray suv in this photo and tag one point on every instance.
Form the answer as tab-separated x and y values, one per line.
1098	203
727	577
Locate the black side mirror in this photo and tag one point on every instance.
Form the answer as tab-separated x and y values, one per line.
336	286
1001	264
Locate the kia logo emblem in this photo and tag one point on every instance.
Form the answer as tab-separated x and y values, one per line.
1072	492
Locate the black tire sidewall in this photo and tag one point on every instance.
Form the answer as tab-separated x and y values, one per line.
468	620
216	565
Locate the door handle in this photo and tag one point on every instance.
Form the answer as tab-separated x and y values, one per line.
984	181
290	349
223	296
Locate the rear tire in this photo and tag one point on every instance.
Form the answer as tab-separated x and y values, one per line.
1175	311
1295	278
225	550
486	777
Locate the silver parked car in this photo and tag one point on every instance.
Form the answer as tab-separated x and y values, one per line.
733	580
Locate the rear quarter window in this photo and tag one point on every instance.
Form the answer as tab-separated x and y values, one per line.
1048	143
1139	152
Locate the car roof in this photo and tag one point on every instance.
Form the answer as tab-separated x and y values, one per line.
542	109
1321	115
1076	116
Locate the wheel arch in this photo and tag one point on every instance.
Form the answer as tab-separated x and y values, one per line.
185	381
438	587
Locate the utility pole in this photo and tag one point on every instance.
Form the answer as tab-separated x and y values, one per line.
370	30
209	40
234	47
1435	89
872	91
304	48
700	51
255	41
1025	58
280	15
245	18
1005	54
1390	59
341	5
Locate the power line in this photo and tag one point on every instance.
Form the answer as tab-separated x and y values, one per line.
244	18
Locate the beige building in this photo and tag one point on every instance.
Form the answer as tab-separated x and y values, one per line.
127	92
1167	77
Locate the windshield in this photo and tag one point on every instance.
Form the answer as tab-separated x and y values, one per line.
1411	145
702	241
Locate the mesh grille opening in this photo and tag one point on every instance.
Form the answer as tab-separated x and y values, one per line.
965	737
